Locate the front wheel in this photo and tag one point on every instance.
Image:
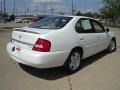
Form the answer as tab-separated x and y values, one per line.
73	62
112	46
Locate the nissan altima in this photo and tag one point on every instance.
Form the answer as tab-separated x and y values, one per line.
60	41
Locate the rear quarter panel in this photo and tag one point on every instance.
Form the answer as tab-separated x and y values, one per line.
63	39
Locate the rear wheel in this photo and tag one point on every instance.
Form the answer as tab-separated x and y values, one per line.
112	46
73	62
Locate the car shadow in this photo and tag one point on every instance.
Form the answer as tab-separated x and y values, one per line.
57	73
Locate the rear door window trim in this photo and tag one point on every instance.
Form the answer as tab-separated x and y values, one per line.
92	30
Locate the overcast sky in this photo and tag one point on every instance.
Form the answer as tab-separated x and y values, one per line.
44	6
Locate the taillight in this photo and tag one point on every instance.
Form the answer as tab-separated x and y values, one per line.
42	45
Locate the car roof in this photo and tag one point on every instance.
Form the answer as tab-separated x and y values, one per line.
82	17
74	16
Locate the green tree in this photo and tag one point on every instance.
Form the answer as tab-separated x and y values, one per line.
79	13
111	9
88	14
95	15
12	17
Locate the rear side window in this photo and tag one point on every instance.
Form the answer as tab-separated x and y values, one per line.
84	26
51	23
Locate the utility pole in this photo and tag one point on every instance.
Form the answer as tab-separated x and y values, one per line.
36	9
44	8
4	7
28	11
52	11
25	7
1	6
72	8
14	9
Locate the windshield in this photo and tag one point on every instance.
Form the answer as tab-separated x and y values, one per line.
51	23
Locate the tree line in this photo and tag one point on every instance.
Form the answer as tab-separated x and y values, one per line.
110	10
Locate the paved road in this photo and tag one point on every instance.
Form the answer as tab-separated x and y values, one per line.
99	72
13	25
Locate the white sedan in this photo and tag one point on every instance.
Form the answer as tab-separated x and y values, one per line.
60	41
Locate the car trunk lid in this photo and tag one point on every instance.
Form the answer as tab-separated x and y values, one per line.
26	37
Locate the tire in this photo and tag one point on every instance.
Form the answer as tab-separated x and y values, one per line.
73	62
112	46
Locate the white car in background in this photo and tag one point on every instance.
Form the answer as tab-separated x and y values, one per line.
21	20
18	20
60	41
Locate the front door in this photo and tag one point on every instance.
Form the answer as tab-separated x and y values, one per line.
87	36
102	42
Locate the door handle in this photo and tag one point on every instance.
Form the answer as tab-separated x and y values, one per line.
81	38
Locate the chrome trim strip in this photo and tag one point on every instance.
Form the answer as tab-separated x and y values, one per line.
22	42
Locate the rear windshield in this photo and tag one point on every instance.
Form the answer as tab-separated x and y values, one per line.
51	23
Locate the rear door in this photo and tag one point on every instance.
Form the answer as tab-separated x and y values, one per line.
102	42
87	36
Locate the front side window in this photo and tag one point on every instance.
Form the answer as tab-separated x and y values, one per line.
51	23
98	28
84	26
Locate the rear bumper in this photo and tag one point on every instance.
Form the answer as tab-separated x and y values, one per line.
38	59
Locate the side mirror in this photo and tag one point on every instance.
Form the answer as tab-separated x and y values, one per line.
107	29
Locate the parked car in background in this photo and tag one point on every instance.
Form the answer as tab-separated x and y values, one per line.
18	20
60	41
25	20
99	20
21	20
37	18
103	21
